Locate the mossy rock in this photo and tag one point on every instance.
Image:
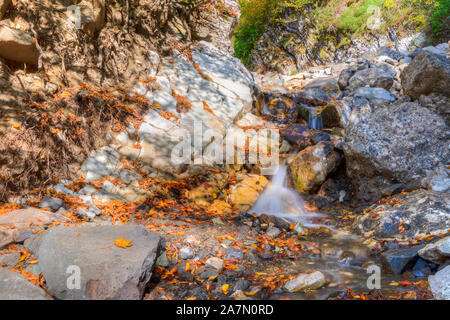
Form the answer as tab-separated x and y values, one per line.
330	117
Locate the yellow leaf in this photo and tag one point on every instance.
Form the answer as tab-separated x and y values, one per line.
16	126
225	288
212	277
192	298
33	261
122	243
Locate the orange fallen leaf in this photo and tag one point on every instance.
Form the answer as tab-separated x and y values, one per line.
122	243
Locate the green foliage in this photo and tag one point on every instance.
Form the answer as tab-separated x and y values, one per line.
345	19
439	19
256	16
354	19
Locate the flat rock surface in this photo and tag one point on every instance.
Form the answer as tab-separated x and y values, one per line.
105	270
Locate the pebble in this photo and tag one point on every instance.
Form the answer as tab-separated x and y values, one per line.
186	253
215	263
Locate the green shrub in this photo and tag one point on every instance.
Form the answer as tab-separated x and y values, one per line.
439	20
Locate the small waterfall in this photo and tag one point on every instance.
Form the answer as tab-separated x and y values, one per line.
278	200
315	120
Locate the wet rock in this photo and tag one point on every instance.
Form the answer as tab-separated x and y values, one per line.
401	259
13	286
440	284
18	225
437	252
283	109
9	260
313	97
297	134
372	77
417	214
310	167
51	203
273	231
299	229
246	191
17	45
186	253
215	263
395	144
107	271
305	281
162	260
376	96
427	73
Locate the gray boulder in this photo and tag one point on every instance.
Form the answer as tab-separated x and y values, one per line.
371	77
394	144
13	286
427	73
408	215
400	259
437	252
106	271
440	284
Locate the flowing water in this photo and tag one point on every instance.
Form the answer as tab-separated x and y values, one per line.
278	200
343	258
315	120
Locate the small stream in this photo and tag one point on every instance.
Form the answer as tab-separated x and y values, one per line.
343	258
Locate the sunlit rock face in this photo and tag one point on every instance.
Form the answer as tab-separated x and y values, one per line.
393	144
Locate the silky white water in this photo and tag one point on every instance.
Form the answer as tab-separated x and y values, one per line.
278	200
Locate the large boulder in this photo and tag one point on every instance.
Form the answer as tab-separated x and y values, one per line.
18	46
410	215
18	225
311	166
440	284
427	73
205	92
371	77
13	286
105	271
394	144
246	191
